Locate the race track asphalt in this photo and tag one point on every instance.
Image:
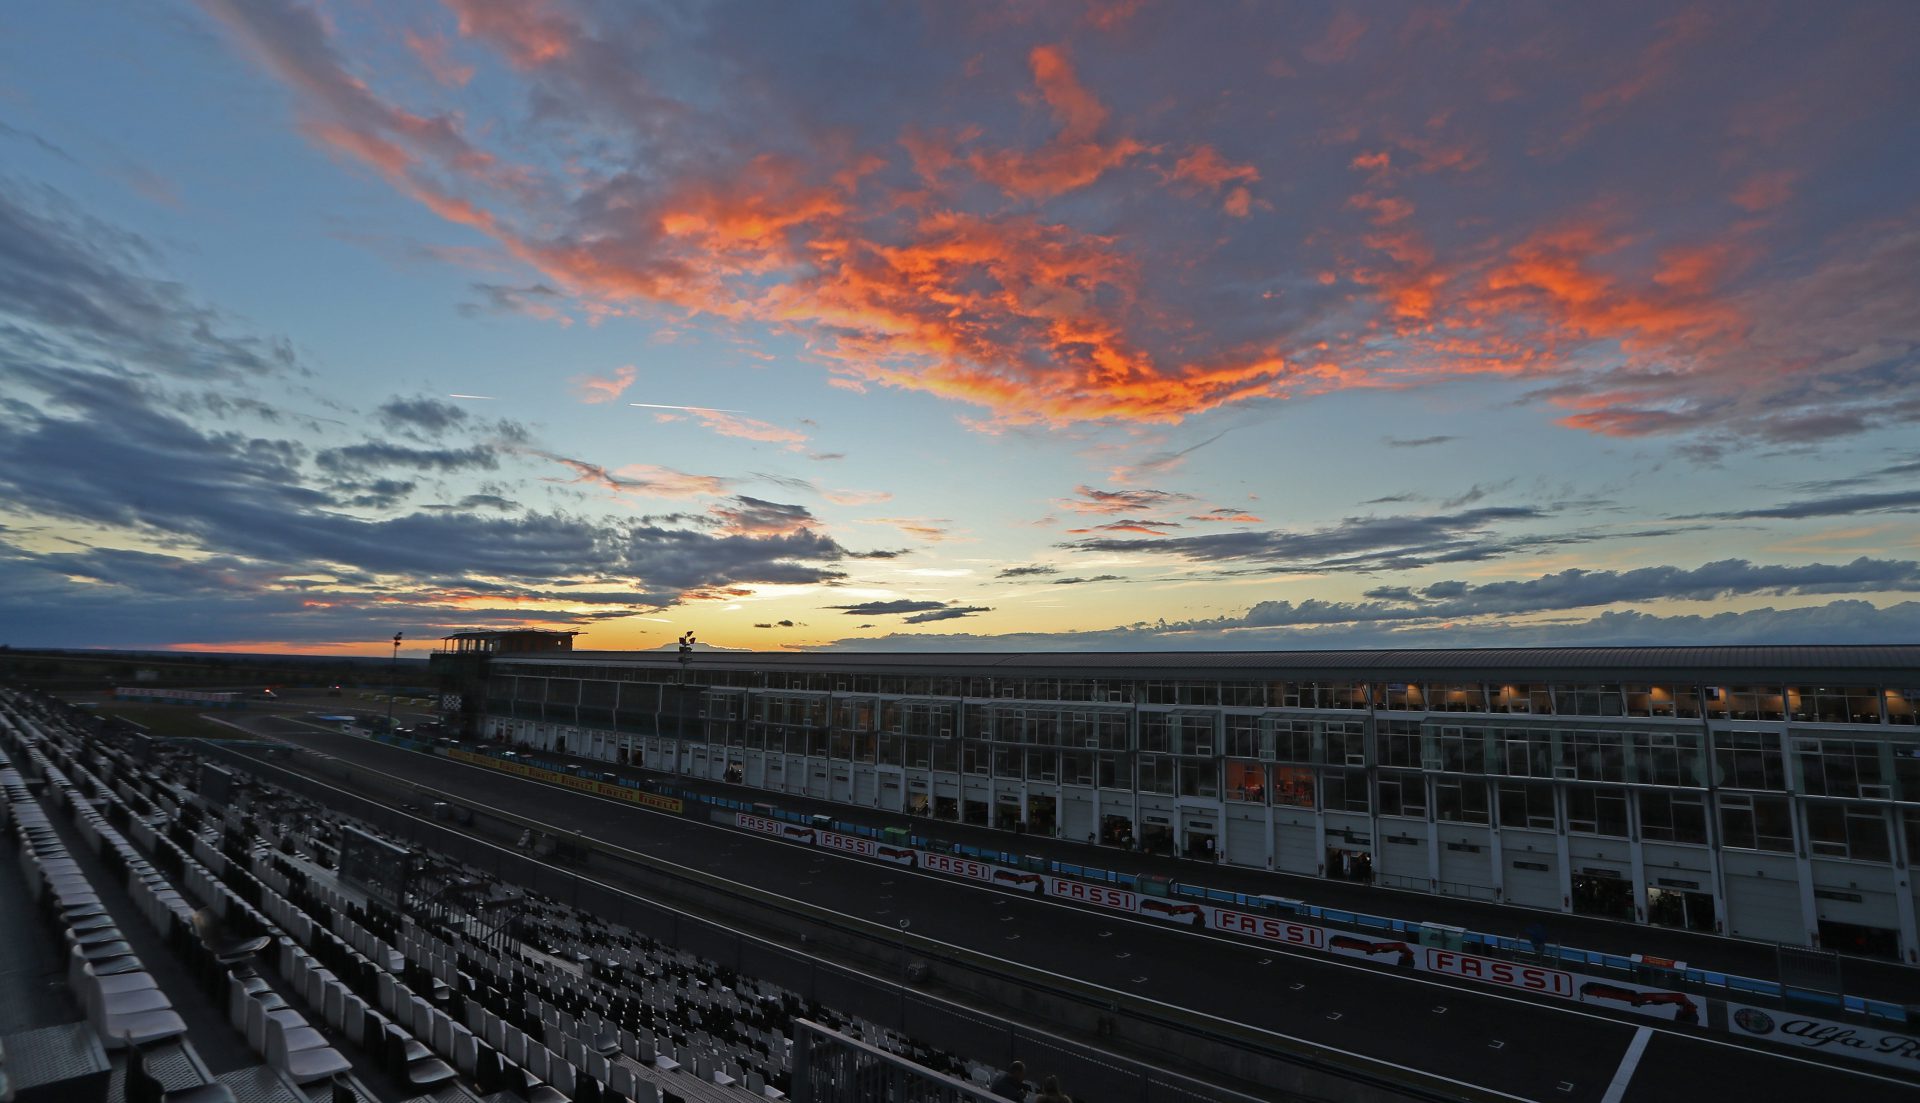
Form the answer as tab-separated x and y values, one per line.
1526	1049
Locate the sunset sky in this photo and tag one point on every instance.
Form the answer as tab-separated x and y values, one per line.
1040	325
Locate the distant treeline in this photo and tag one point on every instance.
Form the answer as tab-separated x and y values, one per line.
70	669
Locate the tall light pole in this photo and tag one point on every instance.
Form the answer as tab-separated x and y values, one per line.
393	674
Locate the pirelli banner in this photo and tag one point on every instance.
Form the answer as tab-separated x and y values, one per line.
586	785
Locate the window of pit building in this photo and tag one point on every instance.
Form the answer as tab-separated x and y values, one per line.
1116	772
1668	758
1906	770
1457	697
1155	737
1751	821
1592	756
1745	702
1843	767
856	713
1345	742
1158	774
1749	760
1246	781
1597	810
1243	736
1243	695
1343	790
1402	794
1076	767
1293	786
976	758
1680	702
1461	750
1673	816
1292	695
1912	817
1043	765
1006	762
1521	697
1524	752
1199	777
1197	733
1401	696
1398	743
1346	695
1460	800
1527	804
1900	705
1854	831
1588	699
1833	704
1292	739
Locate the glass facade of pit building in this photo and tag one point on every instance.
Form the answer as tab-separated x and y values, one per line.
1770	793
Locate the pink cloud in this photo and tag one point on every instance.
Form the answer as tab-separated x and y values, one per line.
432	50
595	390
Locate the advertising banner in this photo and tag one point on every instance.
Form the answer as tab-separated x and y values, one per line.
1507	974
955	866
1100	896
1823	1039
1400	952
1268	928
849	844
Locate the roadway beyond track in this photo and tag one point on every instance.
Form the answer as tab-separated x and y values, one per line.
1491	1041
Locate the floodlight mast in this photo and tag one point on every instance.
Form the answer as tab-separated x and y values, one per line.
392	676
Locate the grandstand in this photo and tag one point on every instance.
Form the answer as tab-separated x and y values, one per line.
265	947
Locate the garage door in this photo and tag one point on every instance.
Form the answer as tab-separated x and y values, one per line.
1403	860
1076	818
1297	851
1462	866
1247	841
1532	881
1765	908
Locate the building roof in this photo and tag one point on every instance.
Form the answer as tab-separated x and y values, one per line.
502	633
1878	662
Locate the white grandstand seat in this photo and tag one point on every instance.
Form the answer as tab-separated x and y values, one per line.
302	1053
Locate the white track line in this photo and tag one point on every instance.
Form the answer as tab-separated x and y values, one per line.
1624	1074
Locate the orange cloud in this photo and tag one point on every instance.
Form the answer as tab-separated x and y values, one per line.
746	428
926	528
857	497
1766	190
1383	210
1657	62
595	390
531	33
1074	157
1205	167
1558	274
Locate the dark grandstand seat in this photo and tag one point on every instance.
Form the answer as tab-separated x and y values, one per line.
227	949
